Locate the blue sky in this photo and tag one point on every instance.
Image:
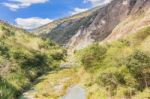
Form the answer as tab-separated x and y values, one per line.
34	13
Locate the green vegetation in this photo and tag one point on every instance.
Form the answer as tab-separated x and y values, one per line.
120	69
139	36
93	56
54	84
24	57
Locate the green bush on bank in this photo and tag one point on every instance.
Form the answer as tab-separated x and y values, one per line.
139	66
92	56
118	67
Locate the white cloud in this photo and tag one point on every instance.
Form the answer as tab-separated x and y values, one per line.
31	23
78	10
97	2
17	4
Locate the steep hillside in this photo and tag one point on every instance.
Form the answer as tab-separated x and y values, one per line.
106	20
132	24
118	69
48	28
23	57
99	24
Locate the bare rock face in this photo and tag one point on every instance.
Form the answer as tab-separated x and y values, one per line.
100	25
62	30
139	18
106	21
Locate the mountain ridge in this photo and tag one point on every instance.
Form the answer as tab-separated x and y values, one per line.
96	27
40	30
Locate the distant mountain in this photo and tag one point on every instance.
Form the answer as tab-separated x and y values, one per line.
99	24
63	29
50	26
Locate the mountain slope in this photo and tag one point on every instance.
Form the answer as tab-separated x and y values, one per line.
118	69
106	20
23	57
50	26
96	26
132	24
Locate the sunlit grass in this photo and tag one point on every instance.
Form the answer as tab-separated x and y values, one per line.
55	84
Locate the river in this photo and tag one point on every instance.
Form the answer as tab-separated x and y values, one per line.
75	92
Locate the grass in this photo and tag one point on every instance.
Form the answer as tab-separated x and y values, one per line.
23	58
140	36
54	84
119	69
123	72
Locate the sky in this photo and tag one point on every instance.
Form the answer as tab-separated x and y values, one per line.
30	14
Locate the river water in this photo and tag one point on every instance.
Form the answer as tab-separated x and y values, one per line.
75	92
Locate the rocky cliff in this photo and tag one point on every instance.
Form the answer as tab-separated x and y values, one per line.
105	23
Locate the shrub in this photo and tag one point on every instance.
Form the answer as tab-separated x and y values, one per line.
7	31
37	59
114	77
47	44
59	55
93	56
139	66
